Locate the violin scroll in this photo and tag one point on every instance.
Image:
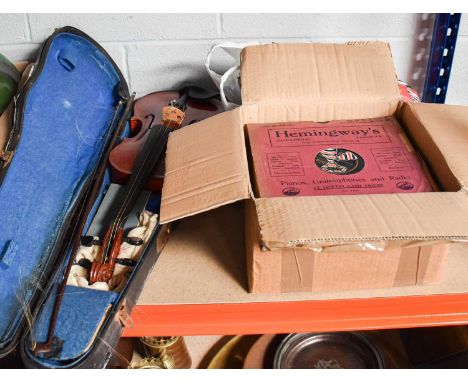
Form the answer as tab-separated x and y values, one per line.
102	270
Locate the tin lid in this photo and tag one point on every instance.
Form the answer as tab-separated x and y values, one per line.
327	351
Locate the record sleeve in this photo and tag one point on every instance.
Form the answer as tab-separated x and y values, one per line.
368	156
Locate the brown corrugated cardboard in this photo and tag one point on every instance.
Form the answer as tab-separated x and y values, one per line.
299	269
324	73
207	166
204	263
441	132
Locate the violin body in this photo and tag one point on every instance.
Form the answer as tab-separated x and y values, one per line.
148	112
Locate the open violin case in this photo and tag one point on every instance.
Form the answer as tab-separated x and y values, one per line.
73	106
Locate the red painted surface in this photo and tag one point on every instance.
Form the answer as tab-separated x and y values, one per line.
302	316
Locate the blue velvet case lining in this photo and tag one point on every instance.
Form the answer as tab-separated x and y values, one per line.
83	306
80	317
66	121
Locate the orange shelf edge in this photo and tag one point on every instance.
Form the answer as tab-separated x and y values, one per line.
299	316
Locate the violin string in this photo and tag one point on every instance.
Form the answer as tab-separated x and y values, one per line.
142	166
163	124
120	216
166	126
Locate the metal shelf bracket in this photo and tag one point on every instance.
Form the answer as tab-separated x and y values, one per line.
444	38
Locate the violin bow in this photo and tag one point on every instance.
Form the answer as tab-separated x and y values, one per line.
52	345
102	268
173	116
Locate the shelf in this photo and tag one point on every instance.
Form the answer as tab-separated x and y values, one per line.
198	287
300	316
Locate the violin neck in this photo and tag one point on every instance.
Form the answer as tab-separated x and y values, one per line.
147	159
152	151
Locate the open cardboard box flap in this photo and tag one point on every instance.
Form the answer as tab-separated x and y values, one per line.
206	167
446	127
207	164
326	73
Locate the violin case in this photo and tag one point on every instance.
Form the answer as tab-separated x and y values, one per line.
73	103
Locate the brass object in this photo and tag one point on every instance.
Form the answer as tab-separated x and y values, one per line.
153	363
233	353
172	348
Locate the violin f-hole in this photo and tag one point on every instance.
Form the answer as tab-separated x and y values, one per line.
152	116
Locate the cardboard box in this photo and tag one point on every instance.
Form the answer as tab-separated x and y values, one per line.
353	237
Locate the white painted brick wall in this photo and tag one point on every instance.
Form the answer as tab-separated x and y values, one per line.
349	26
160	51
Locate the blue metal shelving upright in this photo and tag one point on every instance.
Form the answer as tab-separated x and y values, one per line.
444	38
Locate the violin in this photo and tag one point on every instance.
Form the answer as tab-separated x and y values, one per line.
150	153
200	104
